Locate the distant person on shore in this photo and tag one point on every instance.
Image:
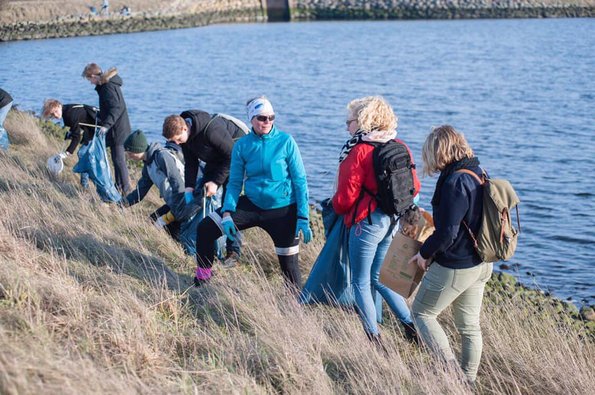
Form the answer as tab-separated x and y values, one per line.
267	166
209	139
457	276
125	10
92	10
113	117
163	166
5	106
369	120
74	116
105	8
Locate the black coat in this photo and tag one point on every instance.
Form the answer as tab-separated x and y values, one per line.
5	98
113	113
211	141
73	115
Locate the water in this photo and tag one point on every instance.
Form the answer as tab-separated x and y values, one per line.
523	91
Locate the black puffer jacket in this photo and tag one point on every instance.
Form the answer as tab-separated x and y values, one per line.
73	115
5	98
211	141
113	113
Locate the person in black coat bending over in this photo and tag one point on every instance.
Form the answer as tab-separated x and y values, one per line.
209	139
113	118
76	117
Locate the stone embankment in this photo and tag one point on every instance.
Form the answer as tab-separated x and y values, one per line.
439	9
246	11
263	10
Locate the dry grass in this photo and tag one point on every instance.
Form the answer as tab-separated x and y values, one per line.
94	300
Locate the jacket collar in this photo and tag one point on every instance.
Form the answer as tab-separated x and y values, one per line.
274	132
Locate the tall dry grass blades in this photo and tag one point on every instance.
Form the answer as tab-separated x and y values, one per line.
93	299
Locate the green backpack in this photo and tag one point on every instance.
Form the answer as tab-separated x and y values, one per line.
497	238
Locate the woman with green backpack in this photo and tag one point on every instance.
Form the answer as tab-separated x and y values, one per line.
457	276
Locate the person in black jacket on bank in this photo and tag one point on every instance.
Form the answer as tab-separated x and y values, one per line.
209	139
457	277
113	118
76	117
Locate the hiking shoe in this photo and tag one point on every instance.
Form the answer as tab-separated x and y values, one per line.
411	333
231	259
200	283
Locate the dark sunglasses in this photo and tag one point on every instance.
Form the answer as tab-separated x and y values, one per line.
264	118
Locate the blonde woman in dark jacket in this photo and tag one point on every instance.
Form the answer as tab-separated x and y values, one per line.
113	117
457	277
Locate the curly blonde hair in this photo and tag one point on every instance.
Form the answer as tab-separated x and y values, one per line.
443	146
372	113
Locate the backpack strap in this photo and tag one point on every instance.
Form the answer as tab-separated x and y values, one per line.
481	181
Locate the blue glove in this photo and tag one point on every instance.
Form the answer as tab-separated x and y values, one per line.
229	228
188	197
303	225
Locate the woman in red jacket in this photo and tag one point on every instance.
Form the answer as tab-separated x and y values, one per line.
370	119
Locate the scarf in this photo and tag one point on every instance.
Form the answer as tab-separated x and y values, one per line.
375	136
349	144
465	163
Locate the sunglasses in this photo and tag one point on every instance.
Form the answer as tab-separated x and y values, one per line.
264	118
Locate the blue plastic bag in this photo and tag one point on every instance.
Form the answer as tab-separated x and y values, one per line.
93	160
329	281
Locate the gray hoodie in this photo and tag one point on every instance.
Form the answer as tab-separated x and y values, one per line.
164	168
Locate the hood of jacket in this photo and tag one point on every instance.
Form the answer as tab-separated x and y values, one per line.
150	153
200	120
111	76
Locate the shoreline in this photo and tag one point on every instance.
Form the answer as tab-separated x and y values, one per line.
71	26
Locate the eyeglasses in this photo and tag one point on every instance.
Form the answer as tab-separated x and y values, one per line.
264	118
348	122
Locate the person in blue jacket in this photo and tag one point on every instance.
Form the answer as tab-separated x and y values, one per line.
267	166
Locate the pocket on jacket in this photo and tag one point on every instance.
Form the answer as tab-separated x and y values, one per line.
278	172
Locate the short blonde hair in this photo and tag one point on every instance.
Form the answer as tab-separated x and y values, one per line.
173	126
49	106
372	113
443	146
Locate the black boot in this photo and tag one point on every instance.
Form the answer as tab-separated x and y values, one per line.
411	333
377	341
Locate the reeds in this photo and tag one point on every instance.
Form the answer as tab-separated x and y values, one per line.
93	299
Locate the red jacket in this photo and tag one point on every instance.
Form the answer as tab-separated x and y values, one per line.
355	173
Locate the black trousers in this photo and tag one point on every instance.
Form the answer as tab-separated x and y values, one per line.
120	169
279	223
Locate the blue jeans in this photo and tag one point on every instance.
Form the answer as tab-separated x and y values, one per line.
4	141
368	245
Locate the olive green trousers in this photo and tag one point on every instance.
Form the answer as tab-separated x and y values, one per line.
463	290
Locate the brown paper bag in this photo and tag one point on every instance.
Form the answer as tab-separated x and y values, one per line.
395	273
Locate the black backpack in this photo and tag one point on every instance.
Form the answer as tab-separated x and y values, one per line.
396	177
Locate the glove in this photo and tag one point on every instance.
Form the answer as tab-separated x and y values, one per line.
188	195
303	225
160	223
63	155
102	131
229	228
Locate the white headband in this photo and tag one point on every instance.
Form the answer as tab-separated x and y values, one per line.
259	106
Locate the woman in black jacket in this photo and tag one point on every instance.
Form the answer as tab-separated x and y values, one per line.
457	277
113	118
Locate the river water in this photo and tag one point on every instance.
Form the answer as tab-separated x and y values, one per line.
522	91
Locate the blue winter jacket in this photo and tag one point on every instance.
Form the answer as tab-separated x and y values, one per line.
271	170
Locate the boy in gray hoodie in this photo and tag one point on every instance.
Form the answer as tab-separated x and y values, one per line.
164	167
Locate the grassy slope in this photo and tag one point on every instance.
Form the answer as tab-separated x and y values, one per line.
93	299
